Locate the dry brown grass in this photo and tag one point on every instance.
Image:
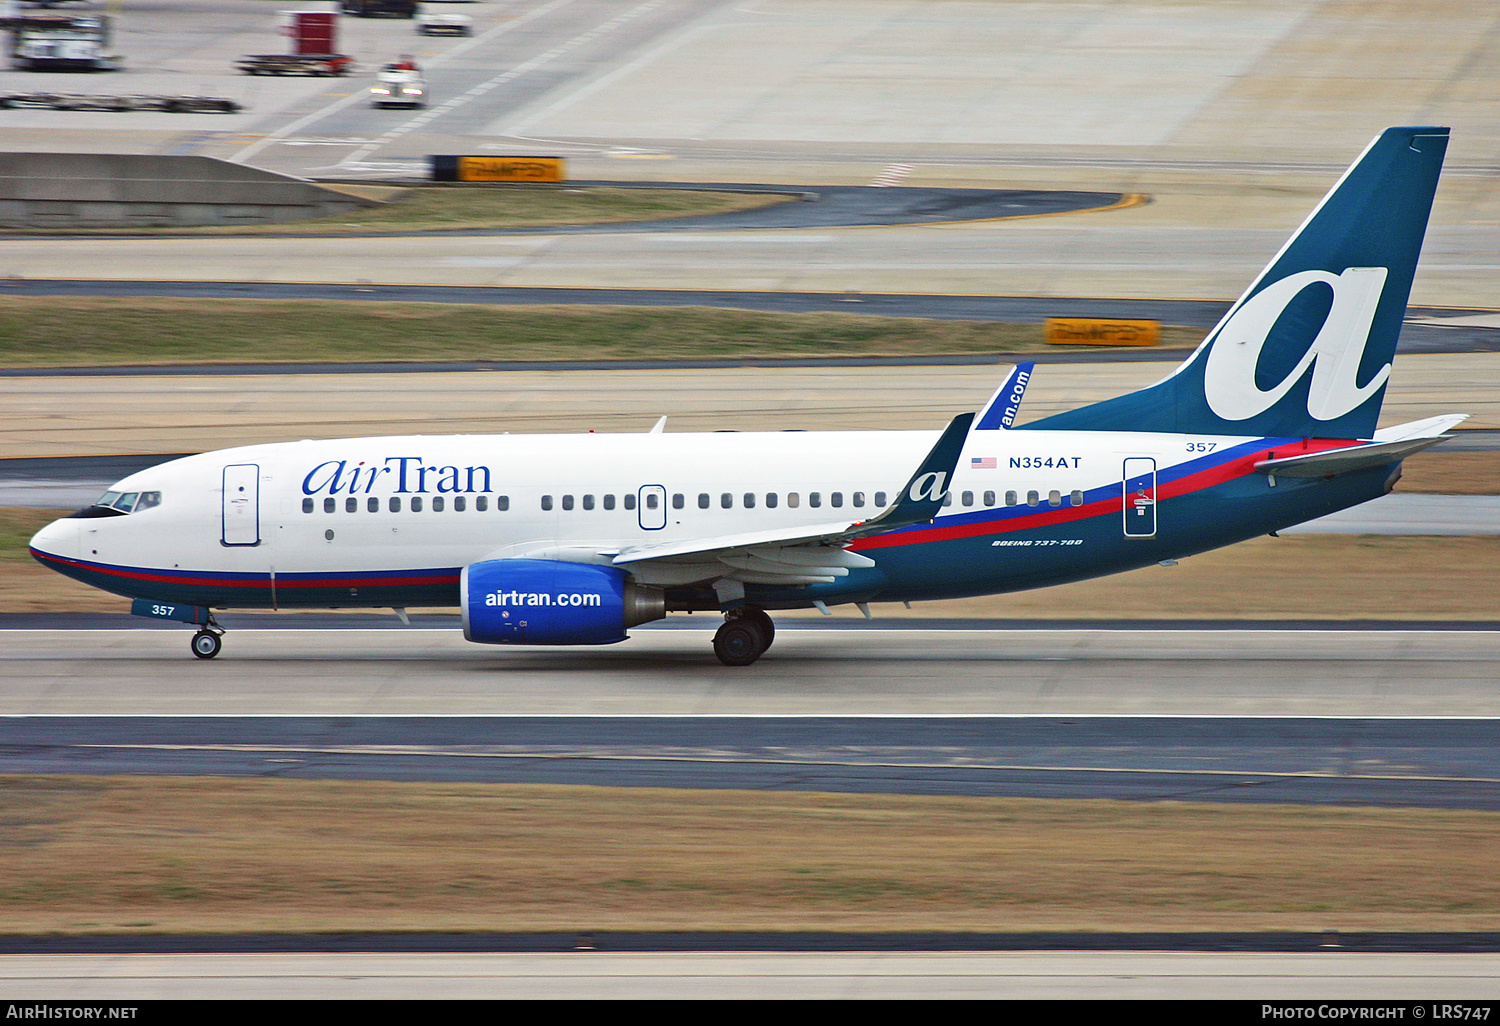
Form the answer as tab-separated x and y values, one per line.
1452	473
106	854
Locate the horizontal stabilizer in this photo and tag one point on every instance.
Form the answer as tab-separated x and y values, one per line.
1432	427
1345	461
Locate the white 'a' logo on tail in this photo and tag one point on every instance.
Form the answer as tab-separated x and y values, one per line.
929	486
1229	375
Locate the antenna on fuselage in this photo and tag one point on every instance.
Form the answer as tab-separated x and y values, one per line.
658	427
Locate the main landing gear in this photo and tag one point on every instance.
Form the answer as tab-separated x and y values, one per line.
207	642
745	636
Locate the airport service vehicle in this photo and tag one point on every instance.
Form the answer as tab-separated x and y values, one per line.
379	8
572	540
61	42
398	87
445	25
314	36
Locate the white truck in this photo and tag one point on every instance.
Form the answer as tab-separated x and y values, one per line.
61	42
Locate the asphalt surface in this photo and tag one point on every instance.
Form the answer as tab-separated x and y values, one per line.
1434	763
858	671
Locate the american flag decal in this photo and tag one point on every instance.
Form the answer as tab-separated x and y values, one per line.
982	463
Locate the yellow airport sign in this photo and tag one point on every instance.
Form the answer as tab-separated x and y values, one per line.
1097	331
510	169
497	169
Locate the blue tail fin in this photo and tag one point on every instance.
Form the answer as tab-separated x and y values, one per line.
1306	351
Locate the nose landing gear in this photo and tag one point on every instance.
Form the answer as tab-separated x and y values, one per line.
207	642
745	636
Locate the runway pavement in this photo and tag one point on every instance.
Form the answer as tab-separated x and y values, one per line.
1405	762
1316	980
94	415
822	672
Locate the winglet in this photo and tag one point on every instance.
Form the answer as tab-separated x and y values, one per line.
922	496
1000	412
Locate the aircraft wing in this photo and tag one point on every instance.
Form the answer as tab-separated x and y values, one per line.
812	554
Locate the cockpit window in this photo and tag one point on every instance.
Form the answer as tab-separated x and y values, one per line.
128	502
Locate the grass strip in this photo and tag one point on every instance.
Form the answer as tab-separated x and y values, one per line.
87	331
109	854
479	208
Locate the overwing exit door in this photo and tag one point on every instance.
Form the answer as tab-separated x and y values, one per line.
1140	497
653	507
241	514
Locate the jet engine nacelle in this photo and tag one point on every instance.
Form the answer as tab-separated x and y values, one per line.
549	602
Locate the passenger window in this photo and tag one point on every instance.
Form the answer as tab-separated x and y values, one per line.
437	503
651	500
588	502
1076	498
481	503
502	503
546	502
989	498
880	499
609	501
351	505
858	498
703	500
770	500
749	500
372	505
677	500
726	500
836	499
416	504
328	504
630	501
1054	498
395	504
567	502
815	499
1010	498
968	498
148	500
1032	498
792	500
459	503
307	505
947	498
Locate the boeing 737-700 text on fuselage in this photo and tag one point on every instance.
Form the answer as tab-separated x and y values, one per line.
571	540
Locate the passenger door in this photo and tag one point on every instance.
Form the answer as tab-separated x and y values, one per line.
241	510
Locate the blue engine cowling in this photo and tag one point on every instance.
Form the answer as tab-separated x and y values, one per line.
549	602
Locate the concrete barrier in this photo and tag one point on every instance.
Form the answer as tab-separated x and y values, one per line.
119	190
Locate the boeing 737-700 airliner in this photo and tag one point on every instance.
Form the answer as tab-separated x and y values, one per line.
571	540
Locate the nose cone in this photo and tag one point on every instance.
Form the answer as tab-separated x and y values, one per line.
59	538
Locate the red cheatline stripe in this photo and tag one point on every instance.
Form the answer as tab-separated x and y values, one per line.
1206	478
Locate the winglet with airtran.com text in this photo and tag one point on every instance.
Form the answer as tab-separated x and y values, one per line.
1001	410
922	497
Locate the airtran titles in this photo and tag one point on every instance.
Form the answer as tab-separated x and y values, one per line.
394	474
